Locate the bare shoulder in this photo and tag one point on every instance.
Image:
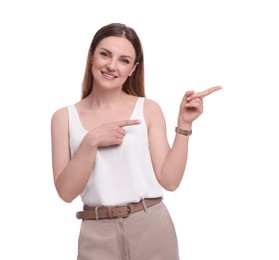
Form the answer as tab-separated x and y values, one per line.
151	106
60	117
153	113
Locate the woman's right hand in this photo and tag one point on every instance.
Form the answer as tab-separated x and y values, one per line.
109	133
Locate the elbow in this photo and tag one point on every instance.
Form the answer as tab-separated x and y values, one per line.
171	188
66	196
66	199
168	180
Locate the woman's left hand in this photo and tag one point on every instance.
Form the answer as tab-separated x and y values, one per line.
192	106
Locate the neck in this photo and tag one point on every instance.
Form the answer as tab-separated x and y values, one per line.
100	98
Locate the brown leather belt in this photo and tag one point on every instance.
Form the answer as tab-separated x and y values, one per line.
122	211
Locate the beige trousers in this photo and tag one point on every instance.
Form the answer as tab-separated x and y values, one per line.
142	236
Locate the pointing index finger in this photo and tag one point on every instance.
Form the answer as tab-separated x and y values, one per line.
210	90
128	122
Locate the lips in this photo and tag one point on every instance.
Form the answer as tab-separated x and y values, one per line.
108	75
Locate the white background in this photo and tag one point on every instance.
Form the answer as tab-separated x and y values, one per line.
227	204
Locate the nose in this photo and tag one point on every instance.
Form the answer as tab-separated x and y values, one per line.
111	65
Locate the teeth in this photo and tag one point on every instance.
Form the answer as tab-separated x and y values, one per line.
107	75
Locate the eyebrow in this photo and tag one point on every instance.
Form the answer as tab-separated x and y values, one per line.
122	56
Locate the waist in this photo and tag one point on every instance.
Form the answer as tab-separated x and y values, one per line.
122	211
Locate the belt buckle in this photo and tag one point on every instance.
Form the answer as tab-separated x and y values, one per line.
119	212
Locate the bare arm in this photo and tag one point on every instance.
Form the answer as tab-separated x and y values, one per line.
72	174
169	163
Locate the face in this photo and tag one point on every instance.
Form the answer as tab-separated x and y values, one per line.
113	62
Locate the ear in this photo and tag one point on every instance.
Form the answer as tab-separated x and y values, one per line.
133	69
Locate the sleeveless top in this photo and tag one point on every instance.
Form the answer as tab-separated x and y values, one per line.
121	174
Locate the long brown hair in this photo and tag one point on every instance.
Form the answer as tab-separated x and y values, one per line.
134	85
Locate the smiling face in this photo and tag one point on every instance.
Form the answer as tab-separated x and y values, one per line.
113	62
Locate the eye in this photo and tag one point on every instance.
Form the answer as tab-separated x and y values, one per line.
125	61
104	54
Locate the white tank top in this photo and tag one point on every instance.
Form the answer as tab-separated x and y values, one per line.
121	174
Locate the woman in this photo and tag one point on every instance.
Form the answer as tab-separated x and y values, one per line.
111	149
